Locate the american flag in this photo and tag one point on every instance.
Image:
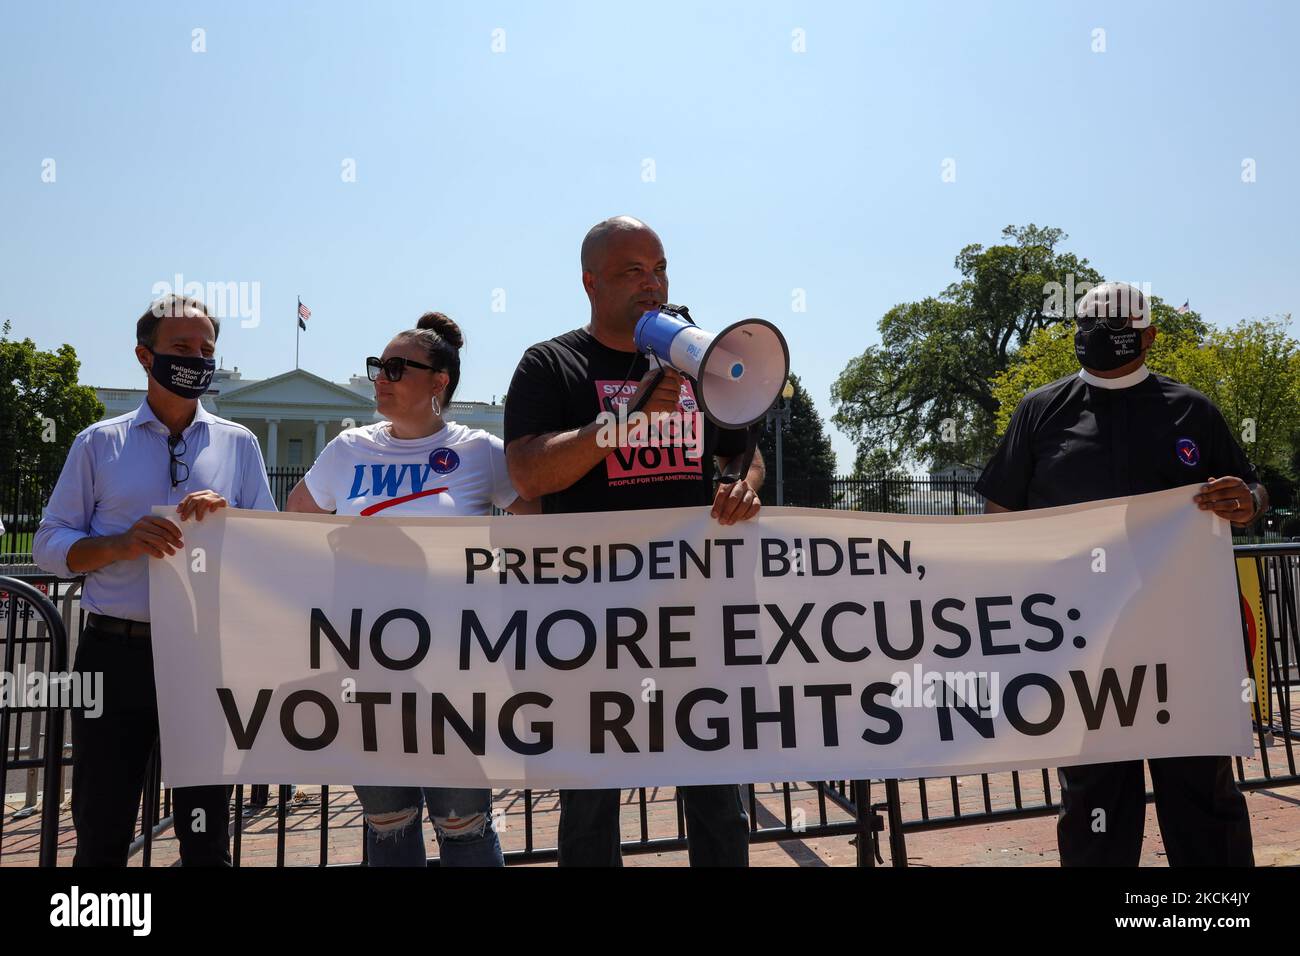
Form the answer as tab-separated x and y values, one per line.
1183	308
304	314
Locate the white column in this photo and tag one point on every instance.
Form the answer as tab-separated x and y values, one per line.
272	442
320	440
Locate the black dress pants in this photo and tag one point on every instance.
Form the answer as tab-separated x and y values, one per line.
1202	814
717	827
110	753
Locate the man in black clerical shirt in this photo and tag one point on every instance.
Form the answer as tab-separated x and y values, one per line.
1111	430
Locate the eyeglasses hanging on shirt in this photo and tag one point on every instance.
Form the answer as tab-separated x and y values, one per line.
175	449
393	368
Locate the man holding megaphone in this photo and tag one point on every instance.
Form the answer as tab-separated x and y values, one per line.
560	448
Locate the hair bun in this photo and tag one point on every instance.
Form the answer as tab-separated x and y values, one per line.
444	326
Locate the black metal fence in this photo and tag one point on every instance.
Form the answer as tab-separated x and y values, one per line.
891	493
282	481
25	492
835	808
23	495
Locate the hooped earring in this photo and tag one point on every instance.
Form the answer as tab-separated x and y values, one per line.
437	406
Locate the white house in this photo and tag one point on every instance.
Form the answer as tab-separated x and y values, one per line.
296	413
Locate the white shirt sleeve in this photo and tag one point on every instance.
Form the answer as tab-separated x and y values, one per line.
322	478
67	515
503	492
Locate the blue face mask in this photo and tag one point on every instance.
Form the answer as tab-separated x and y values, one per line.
185	375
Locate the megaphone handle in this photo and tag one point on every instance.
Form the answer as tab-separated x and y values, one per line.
729	477
643	396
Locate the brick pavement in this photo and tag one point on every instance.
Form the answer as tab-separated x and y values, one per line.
1275	822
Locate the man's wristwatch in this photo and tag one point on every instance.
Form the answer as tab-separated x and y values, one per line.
1255	499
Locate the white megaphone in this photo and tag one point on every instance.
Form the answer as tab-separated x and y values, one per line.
738	372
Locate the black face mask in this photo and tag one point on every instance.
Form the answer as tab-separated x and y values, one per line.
1105	350
185	375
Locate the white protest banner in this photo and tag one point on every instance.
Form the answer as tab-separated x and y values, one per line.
659	647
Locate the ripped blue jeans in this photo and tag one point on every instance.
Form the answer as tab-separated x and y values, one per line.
462	820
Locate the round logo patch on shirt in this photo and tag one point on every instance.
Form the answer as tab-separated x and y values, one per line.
443	460
1187	452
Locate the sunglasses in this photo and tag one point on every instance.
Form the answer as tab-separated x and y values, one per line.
393	368
1115	323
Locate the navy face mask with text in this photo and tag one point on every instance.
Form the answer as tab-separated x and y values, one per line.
185	375
1105	350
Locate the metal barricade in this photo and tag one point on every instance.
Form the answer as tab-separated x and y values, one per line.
25	653
843	808
1278	567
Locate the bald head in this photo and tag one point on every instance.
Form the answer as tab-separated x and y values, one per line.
1116	299
625	274
603	234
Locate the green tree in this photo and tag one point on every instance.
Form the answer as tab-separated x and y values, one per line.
808	458
42	407
926	390
1252	373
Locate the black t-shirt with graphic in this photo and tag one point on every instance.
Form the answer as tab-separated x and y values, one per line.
1070	442
561	384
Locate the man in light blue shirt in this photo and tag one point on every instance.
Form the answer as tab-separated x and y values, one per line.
99	522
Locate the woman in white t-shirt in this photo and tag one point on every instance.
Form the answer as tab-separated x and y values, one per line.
416	464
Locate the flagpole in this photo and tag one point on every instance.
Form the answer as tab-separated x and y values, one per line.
297	332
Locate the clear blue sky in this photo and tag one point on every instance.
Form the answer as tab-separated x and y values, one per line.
477	170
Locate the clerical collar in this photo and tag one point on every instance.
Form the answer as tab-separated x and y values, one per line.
1124	381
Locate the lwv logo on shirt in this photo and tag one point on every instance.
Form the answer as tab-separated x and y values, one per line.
391	482
102	909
